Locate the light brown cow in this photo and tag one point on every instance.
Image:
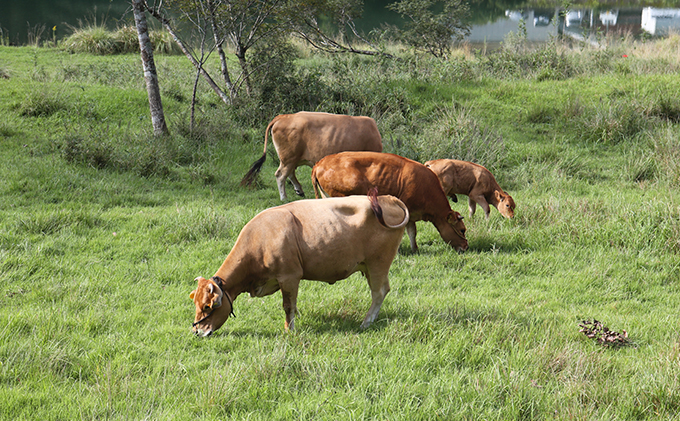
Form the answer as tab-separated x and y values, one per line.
474	181
306	137
323	240
414	184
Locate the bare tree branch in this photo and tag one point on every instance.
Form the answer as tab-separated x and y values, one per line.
167	24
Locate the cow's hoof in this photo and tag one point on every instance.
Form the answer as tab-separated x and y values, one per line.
300	193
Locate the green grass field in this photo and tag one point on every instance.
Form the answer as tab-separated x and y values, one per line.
103	229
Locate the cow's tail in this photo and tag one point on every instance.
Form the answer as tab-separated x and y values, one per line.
377	210
257	166
318	190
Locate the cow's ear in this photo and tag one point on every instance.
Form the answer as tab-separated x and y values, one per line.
498	195
193	294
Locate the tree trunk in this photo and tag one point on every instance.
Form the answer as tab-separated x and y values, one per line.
241	54
150	75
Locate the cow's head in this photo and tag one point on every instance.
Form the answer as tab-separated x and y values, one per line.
453	232
506	206
213	305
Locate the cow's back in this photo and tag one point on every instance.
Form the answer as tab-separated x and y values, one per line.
301	233
309	136
462	177
414	184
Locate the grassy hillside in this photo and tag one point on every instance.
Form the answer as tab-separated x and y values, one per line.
103	229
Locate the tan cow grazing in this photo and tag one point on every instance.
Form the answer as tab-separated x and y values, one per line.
474	181
306	137
322	240
413	183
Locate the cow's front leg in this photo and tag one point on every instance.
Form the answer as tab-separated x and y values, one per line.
481	200
411	230
289	291
296	185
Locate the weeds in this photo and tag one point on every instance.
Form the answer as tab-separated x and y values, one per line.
666	153
42	103
457	134
611	122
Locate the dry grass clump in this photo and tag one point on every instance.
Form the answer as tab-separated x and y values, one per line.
97	39
667	48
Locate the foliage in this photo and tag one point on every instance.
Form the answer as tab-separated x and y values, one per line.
429	31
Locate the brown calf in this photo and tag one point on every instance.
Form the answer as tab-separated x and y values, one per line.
474	181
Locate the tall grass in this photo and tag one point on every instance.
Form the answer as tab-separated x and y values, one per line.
98	39
456	134
103	229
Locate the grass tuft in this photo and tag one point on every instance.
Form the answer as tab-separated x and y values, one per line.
457	134
98	39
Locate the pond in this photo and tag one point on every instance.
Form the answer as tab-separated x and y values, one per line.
491	20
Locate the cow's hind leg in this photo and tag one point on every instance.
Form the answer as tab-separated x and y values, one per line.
380	286
411	230
281	174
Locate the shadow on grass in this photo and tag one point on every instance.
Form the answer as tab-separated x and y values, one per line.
498	244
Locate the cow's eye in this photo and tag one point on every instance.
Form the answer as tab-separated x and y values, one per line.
206	308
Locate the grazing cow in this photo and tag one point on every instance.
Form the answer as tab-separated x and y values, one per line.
414	184
323	240
305	137
475	181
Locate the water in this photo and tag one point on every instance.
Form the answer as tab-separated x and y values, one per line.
582	24
23	20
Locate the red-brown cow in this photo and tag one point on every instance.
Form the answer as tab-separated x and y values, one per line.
348	173
306	137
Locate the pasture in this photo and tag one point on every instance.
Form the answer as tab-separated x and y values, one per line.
104	228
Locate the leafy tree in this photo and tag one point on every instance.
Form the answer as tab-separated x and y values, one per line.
428	30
